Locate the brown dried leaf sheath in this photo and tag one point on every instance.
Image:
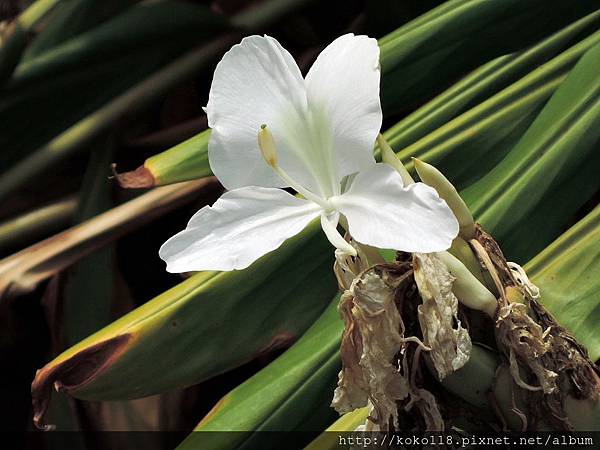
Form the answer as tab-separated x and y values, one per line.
450	344
379	370
546	363
371	339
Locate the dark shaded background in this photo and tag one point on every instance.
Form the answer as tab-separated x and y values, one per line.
27	341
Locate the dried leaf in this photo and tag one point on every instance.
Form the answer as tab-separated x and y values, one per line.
372	337
450	344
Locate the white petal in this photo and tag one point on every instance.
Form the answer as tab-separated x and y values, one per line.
384	214
343	97
242	225
257	82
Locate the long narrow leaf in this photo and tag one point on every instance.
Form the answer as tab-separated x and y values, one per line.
551	172
312	361
73	137
20	273
282	293
567	272
498	123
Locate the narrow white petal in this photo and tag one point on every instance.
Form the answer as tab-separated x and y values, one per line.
242	225
382	213
257	82
343	97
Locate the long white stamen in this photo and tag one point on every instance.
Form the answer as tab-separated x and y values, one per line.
301	190
335	237
269	152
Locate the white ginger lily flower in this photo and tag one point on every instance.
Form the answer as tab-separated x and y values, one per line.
315	135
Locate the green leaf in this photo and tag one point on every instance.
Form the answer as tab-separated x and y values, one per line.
77	121
485	132
304	375
208	324
107	386
329	440
251	403
568	274
135	340
21	272
35	224
71	18
488	130
14	39
52	90
459	36
81	318
552	170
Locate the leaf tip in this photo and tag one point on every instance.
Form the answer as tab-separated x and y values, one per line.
136	179
73	373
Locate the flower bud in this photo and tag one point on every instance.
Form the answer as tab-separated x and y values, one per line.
468	289
446	190
389	157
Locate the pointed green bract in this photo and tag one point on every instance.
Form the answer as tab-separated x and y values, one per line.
446	190
389	157
185	161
